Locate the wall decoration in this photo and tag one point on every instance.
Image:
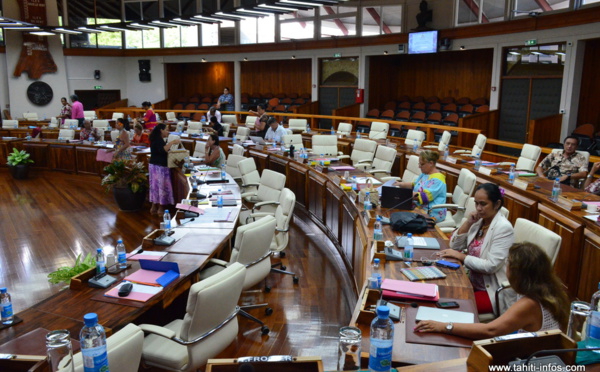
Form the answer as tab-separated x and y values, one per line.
40	93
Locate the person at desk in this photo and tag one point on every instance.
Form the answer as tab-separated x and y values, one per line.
65	111
139	137
214	127
260	129
122	145
430	187
161	189
77	110
213	112
226	100
542	302
260	111
214	155
486	237
88	131
149	118
275	132
568	165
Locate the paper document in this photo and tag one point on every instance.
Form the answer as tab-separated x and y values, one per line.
146	255
387	183
139	292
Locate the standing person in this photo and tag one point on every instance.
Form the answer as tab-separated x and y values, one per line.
149	118
260	111
122	146
542	303
161	188
226	99
568	165
275	132
430	187
65	111
214	155
213	112
77	110
486	237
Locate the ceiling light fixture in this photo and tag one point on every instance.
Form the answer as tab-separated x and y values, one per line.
23	28
253	12
90	30
139	26
187	21
207	18
282	8
162	24
514	53
221	14
43	33
300	3
70	32
111	28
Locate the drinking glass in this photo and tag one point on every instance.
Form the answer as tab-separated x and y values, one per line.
60	352
349	349
577	320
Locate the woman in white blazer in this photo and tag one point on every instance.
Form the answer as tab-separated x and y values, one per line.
481	244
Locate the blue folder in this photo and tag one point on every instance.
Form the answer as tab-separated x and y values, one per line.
171	270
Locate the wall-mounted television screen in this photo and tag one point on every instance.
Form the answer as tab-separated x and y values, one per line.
423	42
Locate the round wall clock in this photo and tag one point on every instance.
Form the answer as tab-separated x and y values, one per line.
39	93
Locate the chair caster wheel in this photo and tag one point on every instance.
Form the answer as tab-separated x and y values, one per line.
296	280
282	254
265	330
268	311
267	289
283	267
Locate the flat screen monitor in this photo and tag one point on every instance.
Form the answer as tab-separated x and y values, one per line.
422	42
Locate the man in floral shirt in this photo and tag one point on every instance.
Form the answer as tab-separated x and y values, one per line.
568	165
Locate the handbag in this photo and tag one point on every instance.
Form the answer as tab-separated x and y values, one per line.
410	222
176	157
373	193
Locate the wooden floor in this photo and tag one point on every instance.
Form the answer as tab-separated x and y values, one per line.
47	220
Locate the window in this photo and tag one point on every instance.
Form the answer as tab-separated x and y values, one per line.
379	20
133	40
261	30
338	27
480	11
297	25
2	37
586	2
181	36
151	38
525	7
535	60
210	34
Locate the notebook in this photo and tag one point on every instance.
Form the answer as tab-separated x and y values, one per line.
411	290
444	315
418	242
396	197
423	273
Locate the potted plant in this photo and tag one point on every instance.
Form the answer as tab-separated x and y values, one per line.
64	274
129	181
18	163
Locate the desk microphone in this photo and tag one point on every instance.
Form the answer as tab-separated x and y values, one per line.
188	221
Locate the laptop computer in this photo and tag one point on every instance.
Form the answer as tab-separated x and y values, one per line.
444	315
257	140
396	197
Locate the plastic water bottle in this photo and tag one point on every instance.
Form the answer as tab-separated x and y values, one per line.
167	220
121	255
219	199
358	135
408	248
223	173
415	146
382	341
446	152
203	120
128	117
511	175
100	262
477	162
6	310
93	345
593	332
307	128
332	131
354	183
91	139
376	273
556	190
157	117
367	202
378	229
234	140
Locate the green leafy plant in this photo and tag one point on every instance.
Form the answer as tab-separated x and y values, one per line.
126	173
18	157
64	274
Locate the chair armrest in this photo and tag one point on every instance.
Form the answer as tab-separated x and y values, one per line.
385	179
343	157
365	161
248	194
260	204
448	195
430	147
340	153
448	206
218	262
380	171
282	230
250	185
461	151
157	330
362	166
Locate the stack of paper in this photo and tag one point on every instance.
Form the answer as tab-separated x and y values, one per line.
146	255
410	290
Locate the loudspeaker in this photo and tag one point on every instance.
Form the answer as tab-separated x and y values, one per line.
144	69
97	74
145	76
445	44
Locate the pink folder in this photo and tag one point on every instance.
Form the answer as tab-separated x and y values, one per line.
134	296
411	290
147	277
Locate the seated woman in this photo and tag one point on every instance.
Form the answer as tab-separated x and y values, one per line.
88	131
122	146
485	237
261	127
542	303
215	127
149	118
140	138
430	187
214	155
591	185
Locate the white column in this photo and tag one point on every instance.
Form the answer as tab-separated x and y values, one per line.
237	84
571	85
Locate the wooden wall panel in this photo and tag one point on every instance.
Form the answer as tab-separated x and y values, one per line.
456	74
589	275
186	79
282	76
589	99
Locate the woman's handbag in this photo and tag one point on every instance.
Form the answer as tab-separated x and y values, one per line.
177	157
373	193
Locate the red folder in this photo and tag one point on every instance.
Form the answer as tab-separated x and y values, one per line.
411	290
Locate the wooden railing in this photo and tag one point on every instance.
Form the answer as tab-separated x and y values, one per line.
103	111
352	110
486	122
545	130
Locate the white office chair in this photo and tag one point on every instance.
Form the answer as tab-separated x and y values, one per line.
171	116
194	127
66	134
363	152
379	130
238	150
71	123
117	115
199	150
444	142
231	166
325	144
288	131
10	124
90	115
465	186
250	121
411	172
293	139
210	324
32	116
242	134
297	124
114	134
265	191
381	166
413	136
53	122
124	350
225	130
100	124
477	147
345	129
229	119
530	154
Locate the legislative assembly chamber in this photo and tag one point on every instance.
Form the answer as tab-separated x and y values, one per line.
263	163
